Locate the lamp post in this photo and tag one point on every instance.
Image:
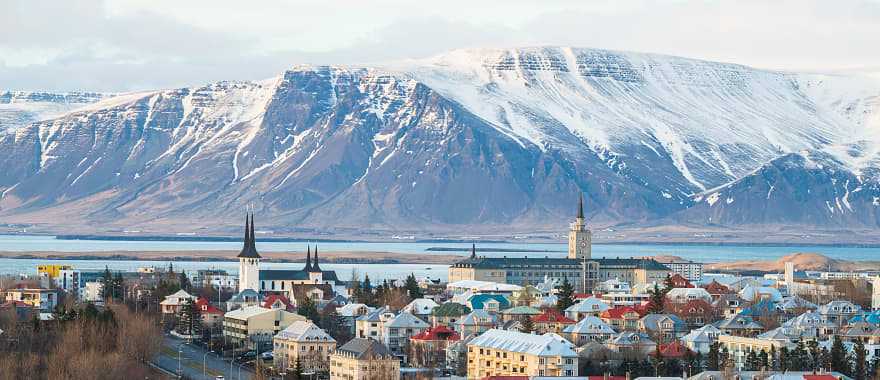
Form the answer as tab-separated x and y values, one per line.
205	363
179	367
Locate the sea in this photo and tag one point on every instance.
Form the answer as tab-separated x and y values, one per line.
700	253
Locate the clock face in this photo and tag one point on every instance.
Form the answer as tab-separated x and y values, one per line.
583	243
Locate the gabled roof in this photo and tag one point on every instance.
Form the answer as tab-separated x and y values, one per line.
439	332
421	306
405	320
552	316
478	301
303	331
364	349
588	305
478	318
540	345
705	334
247	293
450	309
205	307
652	321
521	310
351	309
674	349
589	325
273	298
618	312
630	338
738	322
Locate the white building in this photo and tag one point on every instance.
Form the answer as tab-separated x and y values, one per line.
586	307
690	270
171	304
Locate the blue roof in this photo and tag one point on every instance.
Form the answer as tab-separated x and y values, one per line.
477	301
872	318
762	308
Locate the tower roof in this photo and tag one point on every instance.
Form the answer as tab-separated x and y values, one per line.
581	206
315	267
473	250
308	267
249	250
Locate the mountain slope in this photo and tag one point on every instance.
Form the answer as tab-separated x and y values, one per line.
490	139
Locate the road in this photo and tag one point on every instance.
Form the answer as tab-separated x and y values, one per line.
193	357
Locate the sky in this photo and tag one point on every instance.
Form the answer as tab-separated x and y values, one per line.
128	45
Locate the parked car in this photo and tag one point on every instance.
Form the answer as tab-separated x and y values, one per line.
268	355
248	355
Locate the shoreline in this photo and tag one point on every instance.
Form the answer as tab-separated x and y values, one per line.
349	257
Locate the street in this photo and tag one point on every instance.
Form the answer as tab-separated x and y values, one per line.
195	363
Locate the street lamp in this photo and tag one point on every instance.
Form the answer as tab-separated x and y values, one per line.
179	367
205	363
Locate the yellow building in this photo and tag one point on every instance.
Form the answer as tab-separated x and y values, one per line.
43	299
510	353
305	341
255	325
364	359
739	347
52	270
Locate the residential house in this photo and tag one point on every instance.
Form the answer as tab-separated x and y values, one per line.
663	327
306	342
622	318
590	306
421	307
728	305
551	320
351	312
738	347
278	301
492	303
448	314
364	359
509	353
683	295
678	281
244	298
398	329
716	289
839	312
631	344
519	313
740	325
476	323
695	313
701	339
211	315
613	285
752	293
809	325
428	348
588	329
371	325
43	299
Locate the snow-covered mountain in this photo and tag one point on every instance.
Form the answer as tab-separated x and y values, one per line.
485	138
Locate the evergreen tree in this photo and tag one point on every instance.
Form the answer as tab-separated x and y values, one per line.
565	296
824	358
784	359
667	284
838	356
713	359
297	369
107	284
751	363
412	287
367	292
308	309
188	319
773	359
860	361
118	286
657	300
874	368
763	360
527	325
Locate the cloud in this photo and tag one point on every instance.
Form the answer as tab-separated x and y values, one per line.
138	44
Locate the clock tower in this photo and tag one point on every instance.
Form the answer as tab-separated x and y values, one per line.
580	239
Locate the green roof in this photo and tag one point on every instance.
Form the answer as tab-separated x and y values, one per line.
450	309
522	310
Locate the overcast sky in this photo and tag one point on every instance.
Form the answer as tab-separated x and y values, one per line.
124	45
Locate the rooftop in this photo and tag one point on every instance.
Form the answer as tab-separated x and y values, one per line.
513	341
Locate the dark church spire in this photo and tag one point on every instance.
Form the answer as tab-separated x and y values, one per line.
249	249
473	250
315	267
581	206
308	267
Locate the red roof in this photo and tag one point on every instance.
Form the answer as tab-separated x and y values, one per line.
680	282
618	312
696	305
552	316
673	350
205	307
716	288
439	332
272	298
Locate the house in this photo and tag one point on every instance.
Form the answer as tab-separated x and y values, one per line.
631	344
701	339
476	323
809	325
371	325
551	320
716	289
621	318
211	315
663	327
509	353
398	329
752	293
588	329
448	314
839	312
739	347
740	325
172	303
364	359
306	342
278	301
244	298
492	303
519	313
695	313
255	326
350	312
421	307
43	299
590	306
428	348
793	305
613	285
728	305
673	350
683	295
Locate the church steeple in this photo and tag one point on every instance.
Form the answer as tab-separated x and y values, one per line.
315	267
473	250
581	206
308	267
249	249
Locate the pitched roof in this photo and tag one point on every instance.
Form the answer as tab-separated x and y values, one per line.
618	312
247	312
273	298
588	305
205	307
541	345
439	332
363	349
478	318
450	309
478	301
589	325
405	320
521	310
301	331
421	306
552	316
652	321
629	338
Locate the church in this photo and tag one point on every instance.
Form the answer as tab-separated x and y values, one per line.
311	281
579	267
